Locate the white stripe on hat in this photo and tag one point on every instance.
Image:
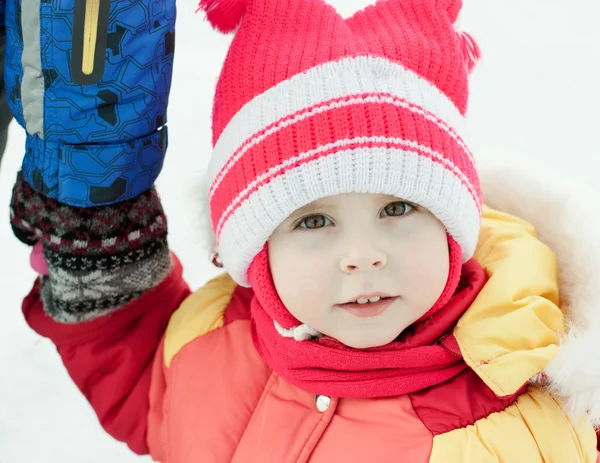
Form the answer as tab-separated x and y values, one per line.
344	78
375	170
342	145
383	99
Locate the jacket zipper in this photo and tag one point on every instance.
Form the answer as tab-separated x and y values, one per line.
90	35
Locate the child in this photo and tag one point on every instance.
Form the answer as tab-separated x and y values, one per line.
373	310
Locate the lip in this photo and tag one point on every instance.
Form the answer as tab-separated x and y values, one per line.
370	309
368	296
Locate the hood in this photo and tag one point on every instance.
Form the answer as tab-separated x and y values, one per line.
564	214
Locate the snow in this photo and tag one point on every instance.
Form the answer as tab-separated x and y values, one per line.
535	94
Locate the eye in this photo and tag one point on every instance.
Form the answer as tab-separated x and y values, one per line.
314	222
397	209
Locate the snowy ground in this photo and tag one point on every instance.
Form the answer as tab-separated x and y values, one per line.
535	94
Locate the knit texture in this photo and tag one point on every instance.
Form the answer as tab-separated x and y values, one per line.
98	258
310	105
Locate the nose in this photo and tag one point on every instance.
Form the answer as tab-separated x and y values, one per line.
363	259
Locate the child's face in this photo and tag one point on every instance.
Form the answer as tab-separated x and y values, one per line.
342	247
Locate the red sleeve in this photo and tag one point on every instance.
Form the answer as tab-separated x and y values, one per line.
110	358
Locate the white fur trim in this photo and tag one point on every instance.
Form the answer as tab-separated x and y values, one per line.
564	213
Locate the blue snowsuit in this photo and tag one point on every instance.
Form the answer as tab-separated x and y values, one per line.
89	81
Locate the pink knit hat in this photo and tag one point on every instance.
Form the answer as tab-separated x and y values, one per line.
310	105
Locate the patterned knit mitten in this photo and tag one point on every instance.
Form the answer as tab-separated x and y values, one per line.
98	258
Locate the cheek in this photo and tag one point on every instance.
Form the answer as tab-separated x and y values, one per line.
424	267
436	274
300	278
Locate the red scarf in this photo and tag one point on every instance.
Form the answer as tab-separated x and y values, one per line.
415	361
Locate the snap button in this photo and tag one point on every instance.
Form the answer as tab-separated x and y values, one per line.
322	402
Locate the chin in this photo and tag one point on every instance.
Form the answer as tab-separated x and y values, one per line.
368	343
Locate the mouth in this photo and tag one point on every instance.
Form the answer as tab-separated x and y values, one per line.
368	307
366	298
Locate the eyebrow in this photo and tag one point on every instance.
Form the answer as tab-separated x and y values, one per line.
309	208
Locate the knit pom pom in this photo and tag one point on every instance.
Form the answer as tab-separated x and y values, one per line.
223	15
470	50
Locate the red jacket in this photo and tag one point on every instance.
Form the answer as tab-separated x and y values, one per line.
157	391
110	358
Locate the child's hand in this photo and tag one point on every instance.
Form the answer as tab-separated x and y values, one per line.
94	260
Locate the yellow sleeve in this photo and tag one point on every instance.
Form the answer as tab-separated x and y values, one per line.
201	313
534	429
512	330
